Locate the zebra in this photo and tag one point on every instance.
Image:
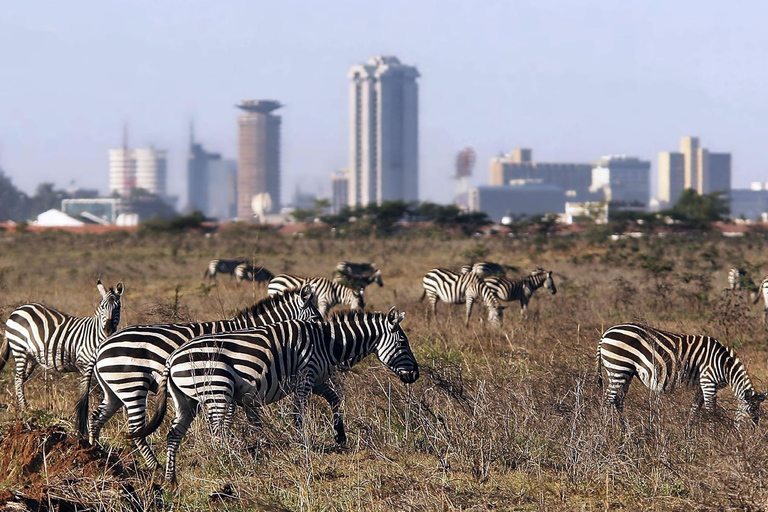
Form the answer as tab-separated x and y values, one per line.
355	269
247	272
129	363
662	359
485	269
39	335
736	278
357	275
762	291
327	293
263	365
453	288
521	289
222	267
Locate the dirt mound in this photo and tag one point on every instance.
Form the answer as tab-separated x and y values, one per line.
52	469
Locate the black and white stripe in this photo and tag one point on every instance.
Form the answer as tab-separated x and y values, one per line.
327	293
485	269
129	363
222	267
357	275
247	272
736	277
261	366
762	291
662	359
521	289
38	335
453	288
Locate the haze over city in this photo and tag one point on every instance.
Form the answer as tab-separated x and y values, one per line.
571	81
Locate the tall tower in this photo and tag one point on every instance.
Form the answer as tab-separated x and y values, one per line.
151	170
689	147
384	132
258	155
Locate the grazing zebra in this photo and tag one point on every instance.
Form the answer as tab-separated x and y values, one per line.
222	267
357	275
663	359
39	335
448	286
485	269
736	277
247	272
263	365
521	289
762	291
327	293
129	363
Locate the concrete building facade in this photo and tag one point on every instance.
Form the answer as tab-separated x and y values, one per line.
122	172
671	176
693	167
575	178
151	170
384	138
624	180
339	190
258	155
750	203
519	198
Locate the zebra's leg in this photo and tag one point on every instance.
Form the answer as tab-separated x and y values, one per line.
301	397
523	306
109	405
470	303
186	409
25	365
618	385
708	393
252	404
136	410
698	401
325	391
765	316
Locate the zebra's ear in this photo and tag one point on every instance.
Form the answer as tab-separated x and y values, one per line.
392	315
400	317
120	288
100	287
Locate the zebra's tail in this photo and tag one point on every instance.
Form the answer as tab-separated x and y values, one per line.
423	294
81	409
599	365
162	407
5	352
206	273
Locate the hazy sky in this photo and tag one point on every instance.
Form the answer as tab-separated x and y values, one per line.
572	80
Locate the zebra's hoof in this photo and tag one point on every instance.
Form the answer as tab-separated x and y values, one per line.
341	438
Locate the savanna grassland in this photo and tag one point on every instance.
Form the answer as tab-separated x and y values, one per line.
501	419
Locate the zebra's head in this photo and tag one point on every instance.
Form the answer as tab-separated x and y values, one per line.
549	283
308	311
108	312
357	299
394	351
377	278
750	406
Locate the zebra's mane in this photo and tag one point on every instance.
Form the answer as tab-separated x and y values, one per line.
355	314
266	304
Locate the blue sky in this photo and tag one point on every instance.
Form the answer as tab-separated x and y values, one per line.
572	80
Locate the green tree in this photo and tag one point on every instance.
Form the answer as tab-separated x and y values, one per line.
14	204
699	211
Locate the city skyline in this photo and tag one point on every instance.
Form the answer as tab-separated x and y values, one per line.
485	87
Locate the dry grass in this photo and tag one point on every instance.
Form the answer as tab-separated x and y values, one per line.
504	419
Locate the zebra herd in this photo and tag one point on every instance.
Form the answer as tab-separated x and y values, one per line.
289	342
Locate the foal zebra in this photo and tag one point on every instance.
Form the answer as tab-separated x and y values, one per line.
222	267
448	286
662	359
129	363
521	289
357	275
263	365
484	269
327	293
39	335
247	272
762	291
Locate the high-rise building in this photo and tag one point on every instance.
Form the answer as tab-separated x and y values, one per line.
339	190
384	132
258	155
122	171
151	170
574	178
693	167
671	176
624	180
211	183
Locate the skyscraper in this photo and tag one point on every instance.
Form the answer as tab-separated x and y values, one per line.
384	132
122	171
689	147
671	176
693	167
211	183
151	170
339	190
258	155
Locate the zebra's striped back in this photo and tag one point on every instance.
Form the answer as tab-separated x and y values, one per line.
454	288
484	269
662	359
39	335
128	364
222	267
327	293
263	365
247	272
736	277
521	289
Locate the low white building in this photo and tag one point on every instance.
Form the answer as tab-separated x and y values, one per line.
56	218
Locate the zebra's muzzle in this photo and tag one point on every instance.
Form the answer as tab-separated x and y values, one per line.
408	377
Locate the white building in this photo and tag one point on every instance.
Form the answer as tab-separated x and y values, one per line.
384	132
122	171
625	181
151	170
